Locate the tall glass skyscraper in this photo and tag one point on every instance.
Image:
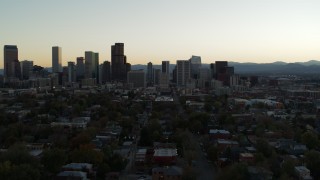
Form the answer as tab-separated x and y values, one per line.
56	59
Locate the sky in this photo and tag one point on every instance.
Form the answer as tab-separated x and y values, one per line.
233	30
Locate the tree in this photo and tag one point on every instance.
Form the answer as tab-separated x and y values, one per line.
17	163
16	172
207	107
117	163
198	121
86	154
237	171
217	105
53	159
288	167
81	138
263	147
18	154
212	153
310	139
313	163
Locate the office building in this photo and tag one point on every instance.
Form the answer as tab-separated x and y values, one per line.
183	72
166	67
174	75
90	62
150	75
204	78
220	67
156	75
63	76
234	80
105	72
95	68
128	66
16	69
26	69
10	57
80	68
195	65
224	72
213	70
164	80
119	66
71	72
137	78
56	59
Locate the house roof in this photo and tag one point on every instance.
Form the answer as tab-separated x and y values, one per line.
73	174
79	166
218	131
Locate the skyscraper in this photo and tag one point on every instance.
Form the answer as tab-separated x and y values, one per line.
10	57
204	77
16	69
224	72
156	76
150	74
220	67
213	70
95	68
80	68
89	64
195	63
71	72
119	64
105	72
56	59
183	72
26	68
165	67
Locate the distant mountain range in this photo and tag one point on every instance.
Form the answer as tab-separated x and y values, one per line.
278	67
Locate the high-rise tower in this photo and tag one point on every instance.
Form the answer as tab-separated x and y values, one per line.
89	64
10	57
118	62
195	63
56	59
26	68
80	68
105	72
183	72
150	74
71	72
165	67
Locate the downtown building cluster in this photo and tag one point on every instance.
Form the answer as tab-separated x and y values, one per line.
87	71
191	74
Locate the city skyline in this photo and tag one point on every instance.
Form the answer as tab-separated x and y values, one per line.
246	31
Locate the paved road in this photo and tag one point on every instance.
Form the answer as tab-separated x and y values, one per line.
206	171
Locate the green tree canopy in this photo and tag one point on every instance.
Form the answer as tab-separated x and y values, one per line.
313	163
53	159
310	139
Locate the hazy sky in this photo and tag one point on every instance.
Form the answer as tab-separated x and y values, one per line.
232	30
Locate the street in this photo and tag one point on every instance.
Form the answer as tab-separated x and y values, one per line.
204	169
